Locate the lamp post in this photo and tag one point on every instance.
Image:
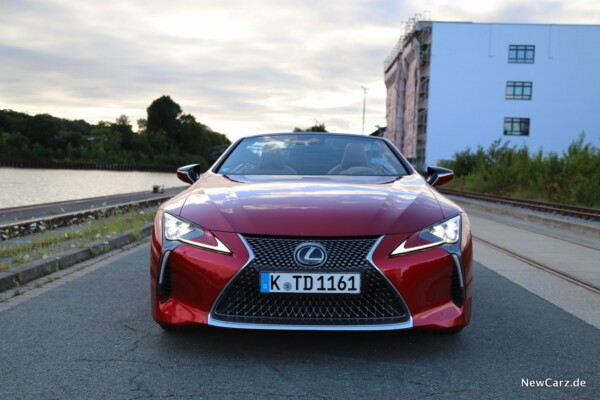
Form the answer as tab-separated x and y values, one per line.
364	104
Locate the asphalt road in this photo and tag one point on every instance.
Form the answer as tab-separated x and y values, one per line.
93	338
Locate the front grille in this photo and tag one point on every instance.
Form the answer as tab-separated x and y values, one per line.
242	302
279	253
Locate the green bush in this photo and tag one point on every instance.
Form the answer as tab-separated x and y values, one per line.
570	178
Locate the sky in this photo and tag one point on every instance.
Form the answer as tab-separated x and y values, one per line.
240	67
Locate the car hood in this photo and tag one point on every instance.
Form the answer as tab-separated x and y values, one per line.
311	206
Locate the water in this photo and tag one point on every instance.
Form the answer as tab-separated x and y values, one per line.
25	186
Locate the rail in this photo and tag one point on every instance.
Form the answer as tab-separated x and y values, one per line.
544	267
79	165
27	227
588	213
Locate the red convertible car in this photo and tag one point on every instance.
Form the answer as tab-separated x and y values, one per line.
311	231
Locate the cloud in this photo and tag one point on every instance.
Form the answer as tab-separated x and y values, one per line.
513	11
240	67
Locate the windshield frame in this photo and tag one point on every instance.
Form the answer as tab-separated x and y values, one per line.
408	168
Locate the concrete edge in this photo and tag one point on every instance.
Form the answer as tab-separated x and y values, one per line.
548	220
39	268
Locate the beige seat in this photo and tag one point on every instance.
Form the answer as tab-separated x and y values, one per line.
354	162
272	162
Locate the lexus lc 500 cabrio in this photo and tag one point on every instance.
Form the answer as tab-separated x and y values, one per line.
311	231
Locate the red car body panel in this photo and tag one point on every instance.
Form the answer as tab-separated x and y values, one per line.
199	275
317	206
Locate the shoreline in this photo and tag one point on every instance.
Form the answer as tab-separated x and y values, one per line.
85	166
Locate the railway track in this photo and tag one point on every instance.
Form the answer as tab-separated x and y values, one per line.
587	213
539	265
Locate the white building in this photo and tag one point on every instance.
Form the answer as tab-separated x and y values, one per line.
453	85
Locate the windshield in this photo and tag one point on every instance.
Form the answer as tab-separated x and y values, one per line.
312	154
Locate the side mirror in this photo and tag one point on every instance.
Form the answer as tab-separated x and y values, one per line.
189	173
437	176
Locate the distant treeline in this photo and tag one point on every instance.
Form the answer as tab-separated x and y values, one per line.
167	137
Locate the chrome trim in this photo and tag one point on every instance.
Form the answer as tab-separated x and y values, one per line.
240	325
309	264
459	269
370	260
250	258
404	325
163	263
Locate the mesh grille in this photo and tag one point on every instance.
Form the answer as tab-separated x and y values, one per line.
378	303
279	253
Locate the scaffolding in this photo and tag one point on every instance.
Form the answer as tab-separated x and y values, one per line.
406	72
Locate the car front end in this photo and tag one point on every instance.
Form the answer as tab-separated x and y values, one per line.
311	252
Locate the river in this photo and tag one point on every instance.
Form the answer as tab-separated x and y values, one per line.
25	186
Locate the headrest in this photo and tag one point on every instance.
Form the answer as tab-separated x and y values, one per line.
271	157
354	156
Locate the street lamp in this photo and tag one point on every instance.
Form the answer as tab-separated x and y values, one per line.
364	103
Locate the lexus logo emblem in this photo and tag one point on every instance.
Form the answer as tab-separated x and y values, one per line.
310	255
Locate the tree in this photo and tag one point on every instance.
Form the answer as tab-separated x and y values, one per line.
167	137
194	136
142	124
41	129
125	131
163	115
317	127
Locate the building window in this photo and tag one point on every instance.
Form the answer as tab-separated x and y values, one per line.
518	90
516	126
521	54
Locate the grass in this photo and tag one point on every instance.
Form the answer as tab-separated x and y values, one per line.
570	178
17	290
21	251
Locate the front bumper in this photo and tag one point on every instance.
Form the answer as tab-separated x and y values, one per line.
432	288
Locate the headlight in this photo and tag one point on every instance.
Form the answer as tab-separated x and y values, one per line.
178	229
445	232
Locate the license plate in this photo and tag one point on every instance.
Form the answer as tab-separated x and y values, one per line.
275	282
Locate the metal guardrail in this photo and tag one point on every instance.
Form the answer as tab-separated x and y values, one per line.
78	165
588	213
28	227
